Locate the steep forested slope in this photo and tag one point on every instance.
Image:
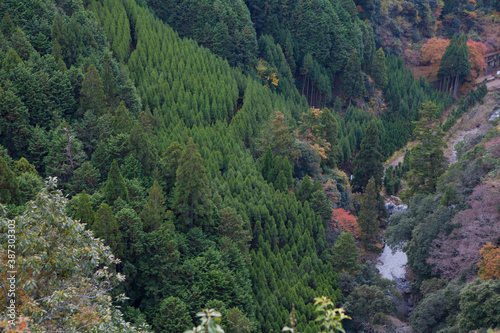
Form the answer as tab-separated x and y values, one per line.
452	235
217	186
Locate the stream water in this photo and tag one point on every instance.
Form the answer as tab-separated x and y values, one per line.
392	266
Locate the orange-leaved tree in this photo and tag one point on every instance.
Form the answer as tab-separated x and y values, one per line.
433	50
489	268
477	51
346	222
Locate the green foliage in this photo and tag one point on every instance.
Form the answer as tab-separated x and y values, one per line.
154	211
404	97
352	80
13	122
240	235
92	92
379	69
209	322
115	185
427	158
330	319
223	27
368	161
11	61
369	302
346	253
72	282
321	205
231	225
437	310
479	305
9	187
392	179
85	178
192	192
84	212
455	65
267	167
418	227
237	322
450	196
122	123
368	216
105	227
172	316
113	18
29	185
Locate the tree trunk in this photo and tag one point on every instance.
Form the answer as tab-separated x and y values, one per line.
455	88
303	83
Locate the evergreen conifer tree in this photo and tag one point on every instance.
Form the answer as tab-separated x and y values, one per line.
368	161
11	61
192	191
305	189
154	211
170	159
108	81
321	205
92	93
84	211
173	316
267	167
7	26
379	69
368	216
105	227
9	188
352	79
345	253
455	65
59	36
427	158
115	185
121	120
23	166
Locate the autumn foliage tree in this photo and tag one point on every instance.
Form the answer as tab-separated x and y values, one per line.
489	268
312	131
279	137
433	50
346	222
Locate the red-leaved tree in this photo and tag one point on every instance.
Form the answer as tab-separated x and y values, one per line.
343	220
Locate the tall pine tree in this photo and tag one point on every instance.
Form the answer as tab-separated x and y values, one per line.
379	69
154	211
105	227
192	192
427	159
9	188
92	92
368	161
368	216
352	78
84	211
115	185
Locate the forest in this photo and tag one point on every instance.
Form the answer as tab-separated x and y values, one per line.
166	163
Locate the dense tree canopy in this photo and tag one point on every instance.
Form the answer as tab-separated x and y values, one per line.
217	168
